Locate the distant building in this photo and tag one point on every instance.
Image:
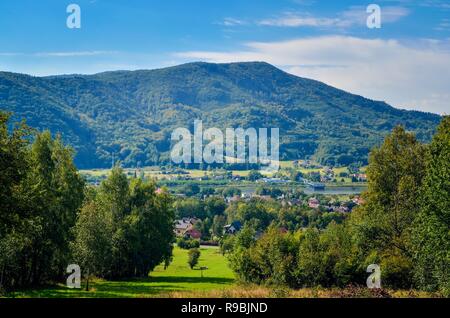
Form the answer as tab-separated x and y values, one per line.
342	209
246	195
360	177
183	226
313	203
262	197
235	198
232	228
193	234
326	178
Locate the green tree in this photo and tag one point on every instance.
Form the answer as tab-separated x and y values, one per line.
231	191
114	194
137	228
258	212
14	165
219	222
275	255
431	234
204	227
193	256
313	270
43	200
227	244
92	245
54	192
215	206
385	223
189	207
15	221
191	189
254	175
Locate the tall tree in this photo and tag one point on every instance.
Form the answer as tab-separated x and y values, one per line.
135	228
432	231
41	192
384	224
54	191
91	247
14	166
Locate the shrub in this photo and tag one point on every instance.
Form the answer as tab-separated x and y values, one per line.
187	244
194	255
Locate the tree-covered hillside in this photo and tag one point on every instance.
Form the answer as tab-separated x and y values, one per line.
132	113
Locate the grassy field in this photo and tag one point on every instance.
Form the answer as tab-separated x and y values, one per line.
155	172
179	281
177	278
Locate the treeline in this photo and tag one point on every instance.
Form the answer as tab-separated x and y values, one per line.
404	227
49	218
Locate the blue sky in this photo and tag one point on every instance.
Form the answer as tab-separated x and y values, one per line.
406	62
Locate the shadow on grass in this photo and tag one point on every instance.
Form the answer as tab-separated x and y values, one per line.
136	287
190	280
110	290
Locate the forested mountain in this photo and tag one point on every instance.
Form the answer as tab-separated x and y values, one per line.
132	113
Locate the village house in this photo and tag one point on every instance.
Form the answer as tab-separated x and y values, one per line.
232	228
360	177
235	198
185	226
342	209
262	197
313	203
326	178
193	234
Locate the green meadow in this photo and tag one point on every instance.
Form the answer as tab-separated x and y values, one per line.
178	277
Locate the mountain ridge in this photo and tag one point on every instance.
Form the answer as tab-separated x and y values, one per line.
132	113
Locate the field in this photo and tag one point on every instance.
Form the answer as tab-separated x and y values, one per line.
177	278
156	173
179	281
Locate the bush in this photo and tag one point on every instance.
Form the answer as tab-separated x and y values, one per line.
269	260
194	255
187	244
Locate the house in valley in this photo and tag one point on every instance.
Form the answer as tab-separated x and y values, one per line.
313	203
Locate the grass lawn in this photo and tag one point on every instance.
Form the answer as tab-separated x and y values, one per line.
178	277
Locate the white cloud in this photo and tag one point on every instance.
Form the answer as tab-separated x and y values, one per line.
293	20
358	15
232	22
355	15
404	76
